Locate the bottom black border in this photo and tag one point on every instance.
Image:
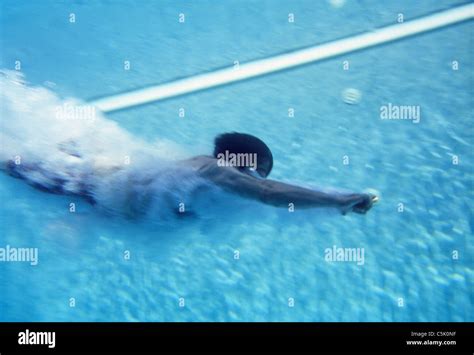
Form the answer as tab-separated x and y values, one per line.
242	337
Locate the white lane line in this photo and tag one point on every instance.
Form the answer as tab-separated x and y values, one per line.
285	61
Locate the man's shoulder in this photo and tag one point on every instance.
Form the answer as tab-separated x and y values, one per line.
201	163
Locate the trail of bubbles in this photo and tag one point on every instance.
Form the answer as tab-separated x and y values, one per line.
66	146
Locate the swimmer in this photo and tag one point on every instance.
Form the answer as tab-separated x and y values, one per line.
252	182
222	169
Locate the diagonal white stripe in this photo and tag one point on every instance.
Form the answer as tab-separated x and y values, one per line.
285	61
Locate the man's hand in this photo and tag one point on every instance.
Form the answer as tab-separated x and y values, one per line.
360	203
366	203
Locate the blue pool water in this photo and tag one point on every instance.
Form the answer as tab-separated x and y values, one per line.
409	273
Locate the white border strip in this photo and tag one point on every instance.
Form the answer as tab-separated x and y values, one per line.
285	61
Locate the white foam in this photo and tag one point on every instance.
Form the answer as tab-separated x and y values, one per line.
86	152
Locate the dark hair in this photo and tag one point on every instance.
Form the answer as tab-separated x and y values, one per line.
245	143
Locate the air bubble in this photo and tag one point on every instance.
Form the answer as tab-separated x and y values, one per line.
337	3
351	96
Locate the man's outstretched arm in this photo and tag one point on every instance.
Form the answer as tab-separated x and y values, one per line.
280	194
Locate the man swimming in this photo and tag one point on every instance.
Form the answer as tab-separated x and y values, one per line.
98	160
246	181
252	183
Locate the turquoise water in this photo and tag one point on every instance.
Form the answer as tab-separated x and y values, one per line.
408	255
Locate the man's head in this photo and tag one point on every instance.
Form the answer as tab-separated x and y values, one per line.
241	147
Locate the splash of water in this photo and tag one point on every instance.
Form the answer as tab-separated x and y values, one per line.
64	145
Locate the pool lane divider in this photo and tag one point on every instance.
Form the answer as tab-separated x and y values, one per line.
285	61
